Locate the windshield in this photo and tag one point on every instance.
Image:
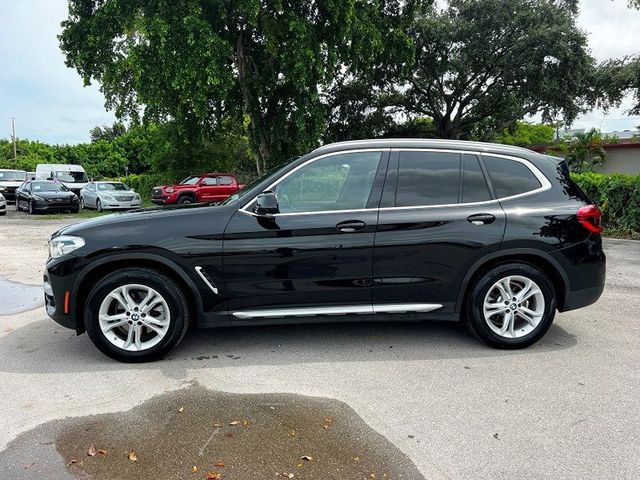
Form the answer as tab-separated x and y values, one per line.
120	187
72	177
48	187
241	193
12	176
190	181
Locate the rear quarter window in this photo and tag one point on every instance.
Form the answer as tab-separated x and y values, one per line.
510	177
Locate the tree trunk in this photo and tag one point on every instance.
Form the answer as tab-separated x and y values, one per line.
252	107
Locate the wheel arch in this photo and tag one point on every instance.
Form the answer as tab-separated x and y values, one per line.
541	260
102	267
187	193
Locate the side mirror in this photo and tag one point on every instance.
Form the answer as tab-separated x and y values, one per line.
266	204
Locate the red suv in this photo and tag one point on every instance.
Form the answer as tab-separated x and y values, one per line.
206	187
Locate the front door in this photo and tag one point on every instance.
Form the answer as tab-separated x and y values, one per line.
438	216
313	259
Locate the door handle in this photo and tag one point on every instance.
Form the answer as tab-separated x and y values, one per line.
350	226
481	218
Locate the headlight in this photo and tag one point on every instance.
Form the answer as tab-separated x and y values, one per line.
37	197
168	190
64	244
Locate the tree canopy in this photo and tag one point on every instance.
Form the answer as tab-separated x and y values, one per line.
198	62
481	65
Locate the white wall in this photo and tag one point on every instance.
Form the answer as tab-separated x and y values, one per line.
621	160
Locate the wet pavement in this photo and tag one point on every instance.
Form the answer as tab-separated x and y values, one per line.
17	297
194	432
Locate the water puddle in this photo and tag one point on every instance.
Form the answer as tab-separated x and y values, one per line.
201	434
18	297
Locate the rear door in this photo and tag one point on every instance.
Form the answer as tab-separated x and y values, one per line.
208	189
227	186
438	216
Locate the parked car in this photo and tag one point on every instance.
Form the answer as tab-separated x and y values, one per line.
71	176
499	237
109	196
10	180
46	196
206	187
3	205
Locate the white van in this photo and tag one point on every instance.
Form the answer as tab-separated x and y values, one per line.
71	176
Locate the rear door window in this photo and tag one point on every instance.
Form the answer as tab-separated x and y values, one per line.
510	177
225	180
427	178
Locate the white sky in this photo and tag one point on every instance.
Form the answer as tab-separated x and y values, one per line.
51	104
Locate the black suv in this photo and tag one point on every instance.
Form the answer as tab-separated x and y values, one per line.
496	236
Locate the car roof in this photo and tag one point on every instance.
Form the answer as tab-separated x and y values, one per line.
427	143
61	167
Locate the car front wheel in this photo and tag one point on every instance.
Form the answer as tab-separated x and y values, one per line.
511	306
98	205
136	315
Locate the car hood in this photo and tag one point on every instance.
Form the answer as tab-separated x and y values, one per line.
58	194
139	217
10	183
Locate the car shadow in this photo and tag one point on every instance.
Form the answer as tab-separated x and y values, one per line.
44	347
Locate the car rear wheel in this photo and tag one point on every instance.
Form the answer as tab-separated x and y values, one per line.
136	315
511	306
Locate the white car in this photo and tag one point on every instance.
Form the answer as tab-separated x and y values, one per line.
3	205
109	196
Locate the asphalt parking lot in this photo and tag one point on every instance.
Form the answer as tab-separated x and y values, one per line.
360	401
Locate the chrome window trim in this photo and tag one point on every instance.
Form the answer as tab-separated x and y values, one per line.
544	181
337	310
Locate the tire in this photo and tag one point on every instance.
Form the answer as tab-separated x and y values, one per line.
174	301
186	199
98	205
81	206
31	210
76	210
17	205
490	327
2	214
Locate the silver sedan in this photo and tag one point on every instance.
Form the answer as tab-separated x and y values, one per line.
109	196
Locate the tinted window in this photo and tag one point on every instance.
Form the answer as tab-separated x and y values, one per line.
210	181
427	178
225	180
336	182
510	177
474	185
48	187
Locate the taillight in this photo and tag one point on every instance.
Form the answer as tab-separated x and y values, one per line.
590	218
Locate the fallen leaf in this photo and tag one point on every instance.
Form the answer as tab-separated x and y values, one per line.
235	422
219	464
300	465
181	409
217	425
356	459
213	476
287	475
71	462
92	451
132	455
307	458
102	451
228	434
245	422
292	433
495	435
194	469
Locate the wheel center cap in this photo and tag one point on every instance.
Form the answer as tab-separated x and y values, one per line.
135	317
514	306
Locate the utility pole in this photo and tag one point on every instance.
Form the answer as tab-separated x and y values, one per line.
13	127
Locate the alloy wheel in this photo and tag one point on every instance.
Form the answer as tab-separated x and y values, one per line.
134	317
514	306
98	205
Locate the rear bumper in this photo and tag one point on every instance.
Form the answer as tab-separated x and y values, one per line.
585	267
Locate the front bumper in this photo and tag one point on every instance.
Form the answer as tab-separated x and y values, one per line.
40	206
165	200
60	299
121	205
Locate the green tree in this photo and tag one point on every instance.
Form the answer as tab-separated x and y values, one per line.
584	151
523	134
197	62
481	65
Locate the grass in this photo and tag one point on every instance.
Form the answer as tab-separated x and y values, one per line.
83	214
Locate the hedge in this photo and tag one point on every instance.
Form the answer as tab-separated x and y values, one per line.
618	196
